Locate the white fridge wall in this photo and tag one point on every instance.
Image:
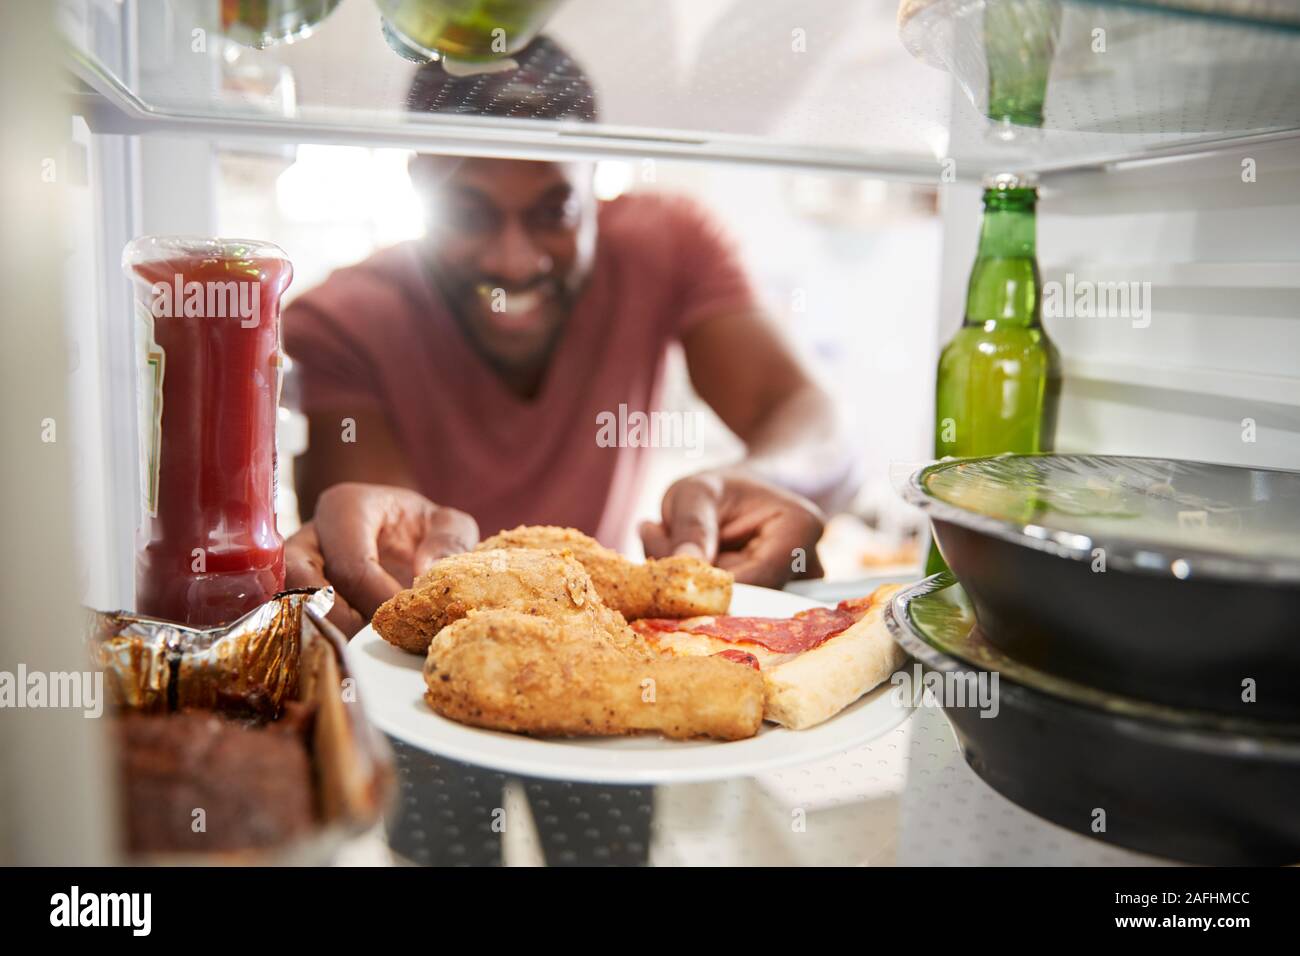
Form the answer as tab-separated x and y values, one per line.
100	211
135	185
110	209
1219	362
51	757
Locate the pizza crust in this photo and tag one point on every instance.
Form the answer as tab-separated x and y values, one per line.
817	684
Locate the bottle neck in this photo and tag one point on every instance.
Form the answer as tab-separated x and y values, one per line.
1004	283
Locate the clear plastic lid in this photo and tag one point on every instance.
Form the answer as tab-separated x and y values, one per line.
163	248
1152	514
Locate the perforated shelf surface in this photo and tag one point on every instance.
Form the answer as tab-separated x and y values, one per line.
906	799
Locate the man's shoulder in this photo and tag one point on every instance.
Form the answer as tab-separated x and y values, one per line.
637	215
656	232
381	285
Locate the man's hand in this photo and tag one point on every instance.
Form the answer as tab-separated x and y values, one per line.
762	534
369	542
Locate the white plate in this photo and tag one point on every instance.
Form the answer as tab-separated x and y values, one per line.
392	690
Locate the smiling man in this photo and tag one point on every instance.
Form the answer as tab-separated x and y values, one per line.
458	382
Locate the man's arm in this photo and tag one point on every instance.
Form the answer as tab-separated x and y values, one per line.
348	445
757	519
793	438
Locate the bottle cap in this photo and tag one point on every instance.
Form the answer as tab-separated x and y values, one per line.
1001	181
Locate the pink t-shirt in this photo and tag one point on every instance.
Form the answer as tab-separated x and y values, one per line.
377	335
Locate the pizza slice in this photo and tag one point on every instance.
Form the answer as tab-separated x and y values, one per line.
813	664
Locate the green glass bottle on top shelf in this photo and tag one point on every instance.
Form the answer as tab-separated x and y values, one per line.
263	23
1020	39
999	378
463	30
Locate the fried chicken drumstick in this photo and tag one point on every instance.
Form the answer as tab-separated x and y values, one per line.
519	640
541	583
678	586
507	670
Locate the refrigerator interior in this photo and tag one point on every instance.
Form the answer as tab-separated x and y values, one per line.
1190	204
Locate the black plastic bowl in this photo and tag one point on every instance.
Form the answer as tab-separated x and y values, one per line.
1166	784
1205	619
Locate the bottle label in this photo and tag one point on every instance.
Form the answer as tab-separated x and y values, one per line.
277	361
150	365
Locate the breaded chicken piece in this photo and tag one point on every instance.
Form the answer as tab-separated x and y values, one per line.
548	677
542	583
678	586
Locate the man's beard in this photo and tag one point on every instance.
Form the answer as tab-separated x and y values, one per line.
475	303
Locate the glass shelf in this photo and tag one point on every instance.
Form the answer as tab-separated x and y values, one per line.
820	84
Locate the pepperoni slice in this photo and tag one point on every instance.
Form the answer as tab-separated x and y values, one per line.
739	656
782	635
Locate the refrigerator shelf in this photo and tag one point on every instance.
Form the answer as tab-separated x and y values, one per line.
822	85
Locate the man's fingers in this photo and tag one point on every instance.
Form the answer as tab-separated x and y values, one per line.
813	568
364	581
343	616
346	619
768	570
784	548
691	519
303	568
303	564
350	546
760	570
447	532
655	540
348	523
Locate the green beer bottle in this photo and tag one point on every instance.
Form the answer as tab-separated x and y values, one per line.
1020	39
999	378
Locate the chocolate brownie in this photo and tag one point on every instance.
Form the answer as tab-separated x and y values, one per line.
251	780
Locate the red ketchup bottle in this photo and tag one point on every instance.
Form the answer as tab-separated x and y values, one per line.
209	358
